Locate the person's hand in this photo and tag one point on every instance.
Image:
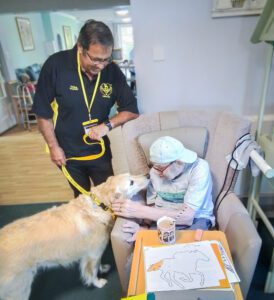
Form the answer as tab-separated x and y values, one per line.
97	132
127	208
133	228
57	156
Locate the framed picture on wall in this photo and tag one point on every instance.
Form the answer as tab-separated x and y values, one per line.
25	33
68	37
229	8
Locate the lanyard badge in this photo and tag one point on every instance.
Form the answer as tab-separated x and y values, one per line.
88	124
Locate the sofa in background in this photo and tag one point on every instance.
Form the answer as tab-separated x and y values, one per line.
33	71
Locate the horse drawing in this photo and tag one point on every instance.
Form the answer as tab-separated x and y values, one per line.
172	269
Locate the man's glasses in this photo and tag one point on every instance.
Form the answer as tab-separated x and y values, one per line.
160	169
99	61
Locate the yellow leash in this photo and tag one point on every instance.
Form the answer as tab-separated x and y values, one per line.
92	156
73	182
94	198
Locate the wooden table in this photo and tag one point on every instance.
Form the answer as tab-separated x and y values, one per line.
150	238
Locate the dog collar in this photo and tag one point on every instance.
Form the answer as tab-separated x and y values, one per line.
96	200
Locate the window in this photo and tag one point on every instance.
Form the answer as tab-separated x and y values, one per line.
125	33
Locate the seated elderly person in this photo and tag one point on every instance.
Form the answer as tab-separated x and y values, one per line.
180	187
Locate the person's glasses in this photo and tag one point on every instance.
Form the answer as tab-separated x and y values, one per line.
160	169
98	61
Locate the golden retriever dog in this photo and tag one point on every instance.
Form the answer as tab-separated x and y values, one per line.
72	232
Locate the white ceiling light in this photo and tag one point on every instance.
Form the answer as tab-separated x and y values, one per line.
122	12
126	20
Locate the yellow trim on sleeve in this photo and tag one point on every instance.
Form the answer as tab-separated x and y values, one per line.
54	106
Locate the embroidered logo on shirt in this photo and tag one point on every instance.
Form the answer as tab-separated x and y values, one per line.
73	88
106	90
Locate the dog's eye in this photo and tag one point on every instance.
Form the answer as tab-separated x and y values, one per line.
131	182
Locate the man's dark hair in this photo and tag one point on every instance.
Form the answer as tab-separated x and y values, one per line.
95	32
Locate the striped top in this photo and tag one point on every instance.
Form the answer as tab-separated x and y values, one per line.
185	183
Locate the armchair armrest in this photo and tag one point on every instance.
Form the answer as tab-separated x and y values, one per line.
122	251
245	245
242	236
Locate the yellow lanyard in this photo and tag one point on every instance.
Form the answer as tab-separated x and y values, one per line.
83	86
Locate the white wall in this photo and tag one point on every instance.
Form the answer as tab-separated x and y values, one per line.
207	62
58	20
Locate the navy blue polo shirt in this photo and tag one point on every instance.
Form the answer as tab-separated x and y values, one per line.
59	81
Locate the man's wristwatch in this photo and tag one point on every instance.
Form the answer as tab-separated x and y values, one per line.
108	124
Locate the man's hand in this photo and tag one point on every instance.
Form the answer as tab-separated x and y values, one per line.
133	228
97	132
57	156
127	208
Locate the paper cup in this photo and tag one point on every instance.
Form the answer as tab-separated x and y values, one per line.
166	230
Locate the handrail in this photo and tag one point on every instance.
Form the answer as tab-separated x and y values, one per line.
262	164
253	199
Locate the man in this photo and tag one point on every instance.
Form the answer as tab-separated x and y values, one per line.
180	187
75	92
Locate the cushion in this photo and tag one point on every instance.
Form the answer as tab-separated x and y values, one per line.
33	71
193	138
19	72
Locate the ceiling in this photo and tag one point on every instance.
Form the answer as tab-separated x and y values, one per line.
107	15
81	10
19	6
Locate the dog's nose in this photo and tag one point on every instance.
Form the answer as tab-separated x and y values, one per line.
117	195
147	176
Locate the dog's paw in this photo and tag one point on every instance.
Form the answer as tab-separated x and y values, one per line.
100	282
104	268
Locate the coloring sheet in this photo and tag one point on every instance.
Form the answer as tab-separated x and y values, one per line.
181	266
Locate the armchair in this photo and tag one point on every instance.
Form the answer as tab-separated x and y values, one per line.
213	135
33	72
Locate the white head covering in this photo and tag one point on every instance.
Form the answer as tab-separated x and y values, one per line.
167	149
